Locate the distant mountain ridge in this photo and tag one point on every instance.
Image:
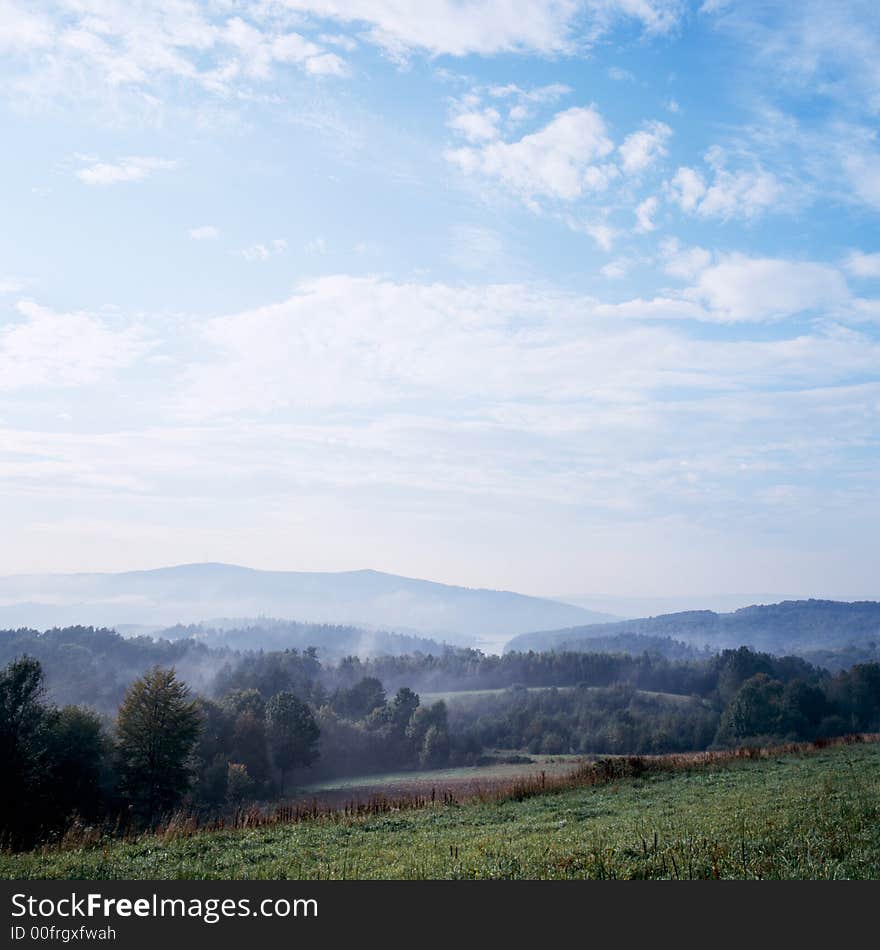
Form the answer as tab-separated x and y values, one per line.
791	626
191	593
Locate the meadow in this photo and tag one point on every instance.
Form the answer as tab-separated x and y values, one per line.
793	812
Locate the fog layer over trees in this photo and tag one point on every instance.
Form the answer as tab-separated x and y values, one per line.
132	729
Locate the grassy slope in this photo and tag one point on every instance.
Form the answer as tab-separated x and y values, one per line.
813	815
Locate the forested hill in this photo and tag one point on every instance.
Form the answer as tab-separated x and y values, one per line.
330	641
794	626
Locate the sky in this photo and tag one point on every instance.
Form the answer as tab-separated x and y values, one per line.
569	297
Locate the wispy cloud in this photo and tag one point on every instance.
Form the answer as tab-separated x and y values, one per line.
205	232
107	48
262	252
135	168
645	212
863	265
639	150
48	349
492	26
724	194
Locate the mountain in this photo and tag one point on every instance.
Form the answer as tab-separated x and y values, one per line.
793	626
193	592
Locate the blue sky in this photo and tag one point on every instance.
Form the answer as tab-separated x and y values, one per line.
567	297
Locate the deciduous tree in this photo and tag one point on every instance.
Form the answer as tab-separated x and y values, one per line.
157	727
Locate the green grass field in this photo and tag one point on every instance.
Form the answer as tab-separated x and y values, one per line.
805	815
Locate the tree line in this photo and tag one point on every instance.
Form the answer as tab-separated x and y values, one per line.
266	723
168	748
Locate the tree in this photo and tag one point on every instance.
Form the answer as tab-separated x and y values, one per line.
405	703
240	701
435	748
428	733
736	666
212	753
76	754
804	706
239	785
52	760
358	702
857	693
158	726
292	732
22	746
754	712
249	746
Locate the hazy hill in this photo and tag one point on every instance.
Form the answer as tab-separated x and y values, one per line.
194	592
333	641
793	626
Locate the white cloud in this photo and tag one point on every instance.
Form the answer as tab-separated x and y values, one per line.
262	252
133	169
735	288
326	64
51	349
827	49
103	48
687	188
479	121
23	29
728	194
684	263
655	17
372	395
477	126
603	234
645	212
657	308
488	27
439	26
258	49
206	232
741	194
860	264
559	161
552	92
740	288
642	149
615	270
520	357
